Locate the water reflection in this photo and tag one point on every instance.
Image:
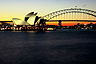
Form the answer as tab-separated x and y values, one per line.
53	47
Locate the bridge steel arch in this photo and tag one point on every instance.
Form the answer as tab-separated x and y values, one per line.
72	10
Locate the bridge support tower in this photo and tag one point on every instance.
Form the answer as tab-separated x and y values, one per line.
60	25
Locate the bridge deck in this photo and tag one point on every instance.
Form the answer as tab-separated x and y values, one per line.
71	20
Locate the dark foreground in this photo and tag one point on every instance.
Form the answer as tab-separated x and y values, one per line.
54	47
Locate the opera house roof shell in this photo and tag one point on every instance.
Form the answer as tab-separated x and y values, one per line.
30	19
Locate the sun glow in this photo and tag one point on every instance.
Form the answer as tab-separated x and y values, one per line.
68	23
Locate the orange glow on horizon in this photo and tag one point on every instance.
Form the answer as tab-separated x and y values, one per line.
68	23
0	23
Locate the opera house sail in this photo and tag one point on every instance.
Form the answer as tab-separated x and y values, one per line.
30	19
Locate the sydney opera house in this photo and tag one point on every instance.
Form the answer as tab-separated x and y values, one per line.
31	21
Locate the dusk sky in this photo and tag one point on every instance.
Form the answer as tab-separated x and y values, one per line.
19	8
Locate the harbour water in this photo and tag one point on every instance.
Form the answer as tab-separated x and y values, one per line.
52	47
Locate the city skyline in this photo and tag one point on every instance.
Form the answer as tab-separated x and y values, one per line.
19	8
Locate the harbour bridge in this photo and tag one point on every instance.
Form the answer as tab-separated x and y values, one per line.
72	14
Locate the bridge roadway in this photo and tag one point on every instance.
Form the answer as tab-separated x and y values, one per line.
71	20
